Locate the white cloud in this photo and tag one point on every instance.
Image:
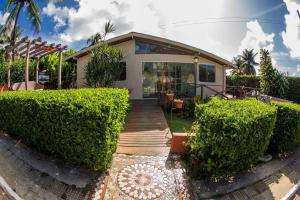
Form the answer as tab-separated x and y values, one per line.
3	18
154	17
256	38
291	35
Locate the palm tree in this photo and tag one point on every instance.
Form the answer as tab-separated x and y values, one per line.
237	61
7	39
248	58
265	57
98	37
15	7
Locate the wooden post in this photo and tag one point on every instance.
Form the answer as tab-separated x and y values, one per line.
59	69
37	70
8	69
27	65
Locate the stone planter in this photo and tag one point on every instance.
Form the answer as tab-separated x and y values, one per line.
178	143
3	88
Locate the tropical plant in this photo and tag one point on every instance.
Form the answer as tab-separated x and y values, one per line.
265	57
237	61
15	7
7	39
248	58
272	82
99	37
104	67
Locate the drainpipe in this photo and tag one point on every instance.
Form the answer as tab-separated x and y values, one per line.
290	195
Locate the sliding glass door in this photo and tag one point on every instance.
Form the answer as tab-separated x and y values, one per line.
164	76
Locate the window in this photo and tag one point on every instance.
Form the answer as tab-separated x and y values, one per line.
207	73
152	48
123	71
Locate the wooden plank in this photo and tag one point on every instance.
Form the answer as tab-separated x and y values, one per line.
145	131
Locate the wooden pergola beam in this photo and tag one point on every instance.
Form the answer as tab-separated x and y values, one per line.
27	65
38	51
33	48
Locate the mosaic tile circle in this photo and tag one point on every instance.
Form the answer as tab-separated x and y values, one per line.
142	181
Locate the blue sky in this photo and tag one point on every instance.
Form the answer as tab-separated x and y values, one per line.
223	27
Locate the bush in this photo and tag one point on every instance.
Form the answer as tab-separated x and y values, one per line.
293	92
228	136
243	80
287	129
79	126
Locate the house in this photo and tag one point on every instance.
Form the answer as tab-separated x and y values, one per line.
154	65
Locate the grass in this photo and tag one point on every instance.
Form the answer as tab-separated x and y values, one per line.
179	124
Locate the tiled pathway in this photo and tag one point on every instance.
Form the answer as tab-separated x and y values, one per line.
146	178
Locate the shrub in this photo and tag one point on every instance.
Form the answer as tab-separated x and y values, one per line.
287	129
80	126
243	80
293	92
228	136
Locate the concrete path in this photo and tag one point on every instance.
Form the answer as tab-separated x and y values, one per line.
36	177
146	130
275	186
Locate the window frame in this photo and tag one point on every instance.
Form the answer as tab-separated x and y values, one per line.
215	69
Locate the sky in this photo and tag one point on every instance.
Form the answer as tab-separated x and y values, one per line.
222	27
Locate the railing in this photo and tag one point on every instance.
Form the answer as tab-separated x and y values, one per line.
188	90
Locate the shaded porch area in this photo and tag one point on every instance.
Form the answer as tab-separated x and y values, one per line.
146	130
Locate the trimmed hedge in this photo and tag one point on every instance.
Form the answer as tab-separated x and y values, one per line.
228	136
79	126
243	80
287	129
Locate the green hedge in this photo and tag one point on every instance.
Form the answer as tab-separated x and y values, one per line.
293	92
228	136
287	129
79	126
243	80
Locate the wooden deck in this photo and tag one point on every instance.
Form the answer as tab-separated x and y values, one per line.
146	131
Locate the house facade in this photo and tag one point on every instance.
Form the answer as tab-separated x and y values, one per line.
154	65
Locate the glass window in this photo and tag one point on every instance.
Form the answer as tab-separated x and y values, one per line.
152	48
123	71
207	73
163	76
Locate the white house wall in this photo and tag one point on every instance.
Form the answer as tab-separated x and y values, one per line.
134	67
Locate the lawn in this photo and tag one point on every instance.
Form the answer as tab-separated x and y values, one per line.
179	124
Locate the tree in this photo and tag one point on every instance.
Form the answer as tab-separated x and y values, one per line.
237	61
265	57
99	37
104	67
248	58
272	82
15	7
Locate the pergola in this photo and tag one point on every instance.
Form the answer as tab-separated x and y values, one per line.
33	49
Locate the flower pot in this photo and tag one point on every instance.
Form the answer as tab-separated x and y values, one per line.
3	88
178	104
170	96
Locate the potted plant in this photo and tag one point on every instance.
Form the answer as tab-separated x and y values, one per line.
178	103
170	95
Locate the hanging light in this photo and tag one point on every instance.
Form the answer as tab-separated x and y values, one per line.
196	59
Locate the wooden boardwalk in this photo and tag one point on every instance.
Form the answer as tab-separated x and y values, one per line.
146	131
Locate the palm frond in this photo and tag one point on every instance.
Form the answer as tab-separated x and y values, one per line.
33	12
